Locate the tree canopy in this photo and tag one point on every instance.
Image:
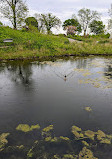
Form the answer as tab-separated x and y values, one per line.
86	16
72	22
1	23
110	20
97	27
48	21
31	21
14	10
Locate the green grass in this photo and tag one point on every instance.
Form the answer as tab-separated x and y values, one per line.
34	44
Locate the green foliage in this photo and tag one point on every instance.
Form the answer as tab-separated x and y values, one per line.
97	27
72	22
34	44
31	21
49	21
15	11
1	24
110	20
86	16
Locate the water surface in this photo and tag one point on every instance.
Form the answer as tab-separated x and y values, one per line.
57	92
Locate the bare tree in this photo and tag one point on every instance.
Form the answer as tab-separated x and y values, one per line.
14	10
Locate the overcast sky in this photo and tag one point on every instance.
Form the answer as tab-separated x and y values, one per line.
65	8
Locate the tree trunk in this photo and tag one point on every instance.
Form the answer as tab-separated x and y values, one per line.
85	33
14	13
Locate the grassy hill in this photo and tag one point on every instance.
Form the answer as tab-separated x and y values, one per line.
33	44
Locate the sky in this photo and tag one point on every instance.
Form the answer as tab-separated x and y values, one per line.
64	9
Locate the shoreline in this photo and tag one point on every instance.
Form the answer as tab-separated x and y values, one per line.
54	56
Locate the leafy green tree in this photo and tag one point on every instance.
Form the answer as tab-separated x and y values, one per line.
72	22
31	21
86	16
1	24
97	27
14	10
47	22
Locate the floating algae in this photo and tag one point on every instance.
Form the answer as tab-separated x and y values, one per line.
103	83
90	134
75	128
30	153
64	138
48	128
47	131
94	136
77	132
3	140
85	72
88	109
68	156
47	139
85	143
49	145
27	128
65	156
103	138
56	139
86	154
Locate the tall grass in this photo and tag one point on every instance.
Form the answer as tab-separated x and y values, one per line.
34	44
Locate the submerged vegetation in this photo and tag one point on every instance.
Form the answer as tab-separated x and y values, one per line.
27	44
49	146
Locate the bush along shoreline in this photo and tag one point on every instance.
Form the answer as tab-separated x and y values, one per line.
34	45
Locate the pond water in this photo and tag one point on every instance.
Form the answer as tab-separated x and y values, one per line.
57	93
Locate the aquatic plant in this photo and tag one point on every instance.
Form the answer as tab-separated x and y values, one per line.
26	127
56	157
49	144
90	134
86	154
3	140
48	128
88	109
75	128
103	138
48	139
55	139
64	138
85	143
68	156
30	153
47	131
20	147
77	132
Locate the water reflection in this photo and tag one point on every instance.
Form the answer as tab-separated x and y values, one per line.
49	92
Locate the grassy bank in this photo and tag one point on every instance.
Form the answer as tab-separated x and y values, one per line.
34	44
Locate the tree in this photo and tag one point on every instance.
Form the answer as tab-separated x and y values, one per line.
31	21
110	20
71	30
72	22
48	21
1	24
14	10
86	16
97	27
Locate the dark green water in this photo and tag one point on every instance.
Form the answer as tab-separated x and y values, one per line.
56	93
